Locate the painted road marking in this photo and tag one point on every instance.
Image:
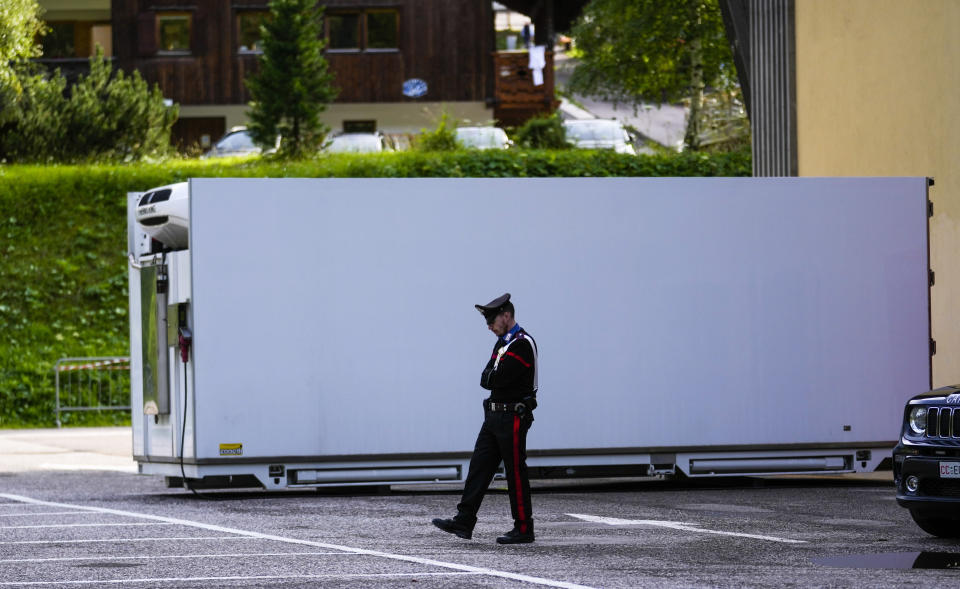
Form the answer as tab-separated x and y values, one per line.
614	521
28	514
252	578
347	549
230	555
128	540
84	525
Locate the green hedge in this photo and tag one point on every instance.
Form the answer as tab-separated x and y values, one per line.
63	278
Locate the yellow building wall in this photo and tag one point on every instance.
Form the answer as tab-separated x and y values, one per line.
878	94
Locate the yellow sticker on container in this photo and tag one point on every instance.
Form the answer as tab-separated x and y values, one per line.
231	449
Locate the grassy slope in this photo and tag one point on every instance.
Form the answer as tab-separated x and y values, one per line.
63	276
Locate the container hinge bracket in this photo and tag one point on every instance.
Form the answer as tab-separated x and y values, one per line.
933	277
933	347
930	208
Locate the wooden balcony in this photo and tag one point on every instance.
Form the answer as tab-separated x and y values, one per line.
516	98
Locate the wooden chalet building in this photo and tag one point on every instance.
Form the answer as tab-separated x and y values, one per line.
200	51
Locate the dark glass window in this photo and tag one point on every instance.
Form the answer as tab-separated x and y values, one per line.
382	29
248	31
173	32
343	30
371	127
59	41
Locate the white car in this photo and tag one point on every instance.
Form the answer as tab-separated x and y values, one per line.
357	143
483	138
237	142
599	134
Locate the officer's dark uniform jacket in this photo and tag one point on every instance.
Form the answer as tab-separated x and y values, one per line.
512	370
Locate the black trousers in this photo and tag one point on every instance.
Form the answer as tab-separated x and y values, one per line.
503	436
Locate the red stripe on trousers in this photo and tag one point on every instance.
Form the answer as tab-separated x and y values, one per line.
516	473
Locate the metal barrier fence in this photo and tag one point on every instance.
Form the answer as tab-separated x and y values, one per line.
92	384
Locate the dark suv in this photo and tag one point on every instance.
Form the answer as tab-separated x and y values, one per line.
926	462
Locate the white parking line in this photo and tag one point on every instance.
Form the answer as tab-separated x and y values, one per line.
231	555
347	549
614	521
84	525
109	540
27	514
238	578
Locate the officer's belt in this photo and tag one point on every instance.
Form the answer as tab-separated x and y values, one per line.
517	407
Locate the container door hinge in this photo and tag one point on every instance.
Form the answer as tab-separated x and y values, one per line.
930	208
933	347
933	277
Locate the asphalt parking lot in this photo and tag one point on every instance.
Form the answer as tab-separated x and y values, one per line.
73	513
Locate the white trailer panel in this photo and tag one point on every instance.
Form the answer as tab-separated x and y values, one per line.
333	319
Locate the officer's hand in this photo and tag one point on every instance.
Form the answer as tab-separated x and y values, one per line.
486	379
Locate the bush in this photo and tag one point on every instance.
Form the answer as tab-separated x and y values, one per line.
63	232
442	138
104	116
542	133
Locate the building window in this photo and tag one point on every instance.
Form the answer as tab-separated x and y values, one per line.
370	30
59	40
248	31
75	39
173	32
360	126
382	29
343	31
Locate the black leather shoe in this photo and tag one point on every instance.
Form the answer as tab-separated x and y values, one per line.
515	536
452	526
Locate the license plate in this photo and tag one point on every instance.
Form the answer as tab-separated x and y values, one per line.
950	470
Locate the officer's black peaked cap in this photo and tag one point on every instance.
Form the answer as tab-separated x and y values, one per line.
494	307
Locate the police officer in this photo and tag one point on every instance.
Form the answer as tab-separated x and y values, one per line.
511	377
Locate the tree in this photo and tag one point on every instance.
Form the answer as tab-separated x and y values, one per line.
637	51
20	26
294	85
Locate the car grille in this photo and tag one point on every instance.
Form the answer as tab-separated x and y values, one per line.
940	488
943	422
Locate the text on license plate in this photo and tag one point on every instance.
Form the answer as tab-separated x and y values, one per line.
950	470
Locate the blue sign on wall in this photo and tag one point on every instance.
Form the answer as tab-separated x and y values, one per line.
414	88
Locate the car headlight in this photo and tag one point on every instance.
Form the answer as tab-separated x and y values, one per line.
918	420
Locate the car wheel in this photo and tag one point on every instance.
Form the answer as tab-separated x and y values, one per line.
940	526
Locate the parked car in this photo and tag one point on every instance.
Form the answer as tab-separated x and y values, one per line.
357	143
599	134
236	142
483	138
926	461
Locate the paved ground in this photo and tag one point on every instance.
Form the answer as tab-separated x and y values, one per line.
96	448
79	526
